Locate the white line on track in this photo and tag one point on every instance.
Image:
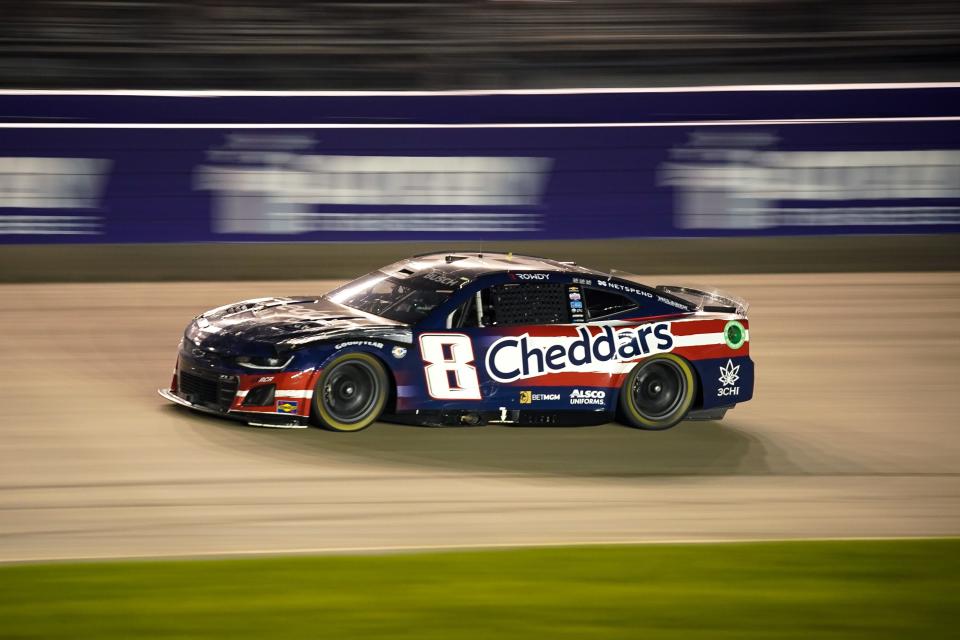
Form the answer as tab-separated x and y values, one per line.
504	125
214	93
390	549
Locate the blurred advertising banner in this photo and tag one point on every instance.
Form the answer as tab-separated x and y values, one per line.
90	179
748	181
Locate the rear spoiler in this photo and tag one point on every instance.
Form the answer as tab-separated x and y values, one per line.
707	300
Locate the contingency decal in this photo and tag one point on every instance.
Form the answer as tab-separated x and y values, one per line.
287	406
575	297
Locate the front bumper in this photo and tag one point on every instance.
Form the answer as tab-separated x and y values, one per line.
254	419
209	385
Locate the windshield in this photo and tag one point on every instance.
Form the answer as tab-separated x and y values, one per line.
382	295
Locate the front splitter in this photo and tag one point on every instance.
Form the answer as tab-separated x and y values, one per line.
252	419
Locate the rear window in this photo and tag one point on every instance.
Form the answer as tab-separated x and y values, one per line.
601	303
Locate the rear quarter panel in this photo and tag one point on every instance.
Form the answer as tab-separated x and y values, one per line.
546	367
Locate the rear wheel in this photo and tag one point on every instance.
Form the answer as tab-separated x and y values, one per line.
658	392
351	393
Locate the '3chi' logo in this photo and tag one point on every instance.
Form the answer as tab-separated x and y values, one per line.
729	375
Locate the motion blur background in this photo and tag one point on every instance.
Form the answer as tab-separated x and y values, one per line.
477	44
381	140
162	158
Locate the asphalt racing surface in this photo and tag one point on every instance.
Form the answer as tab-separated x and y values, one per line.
853	431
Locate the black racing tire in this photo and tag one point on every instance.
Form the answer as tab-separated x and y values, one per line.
658	393
351	393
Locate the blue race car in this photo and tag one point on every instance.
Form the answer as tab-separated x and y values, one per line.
470	339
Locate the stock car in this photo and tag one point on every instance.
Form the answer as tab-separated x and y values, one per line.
470	339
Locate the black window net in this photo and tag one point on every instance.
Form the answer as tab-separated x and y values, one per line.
535	303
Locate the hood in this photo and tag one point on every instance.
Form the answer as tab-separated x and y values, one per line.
288	323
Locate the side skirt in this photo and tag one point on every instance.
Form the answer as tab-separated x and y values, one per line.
506	417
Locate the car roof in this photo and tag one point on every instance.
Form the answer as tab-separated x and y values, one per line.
470	265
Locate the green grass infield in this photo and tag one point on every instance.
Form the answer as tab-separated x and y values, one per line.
855	589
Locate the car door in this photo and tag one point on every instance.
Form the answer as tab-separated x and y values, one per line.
458	367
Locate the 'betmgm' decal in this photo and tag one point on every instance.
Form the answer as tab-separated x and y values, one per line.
519	357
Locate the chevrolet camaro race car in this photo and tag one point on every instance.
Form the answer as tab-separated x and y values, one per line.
470	339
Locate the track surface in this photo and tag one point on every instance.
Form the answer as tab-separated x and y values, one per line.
853	432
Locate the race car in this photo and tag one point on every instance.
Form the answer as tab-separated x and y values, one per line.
471	339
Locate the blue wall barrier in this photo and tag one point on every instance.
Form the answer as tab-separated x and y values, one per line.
201	167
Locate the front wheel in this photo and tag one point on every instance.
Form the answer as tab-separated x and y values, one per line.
351	393
658	393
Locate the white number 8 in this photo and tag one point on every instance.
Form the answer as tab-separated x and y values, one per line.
448	359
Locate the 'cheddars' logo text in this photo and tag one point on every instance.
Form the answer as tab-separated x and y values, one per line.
515	358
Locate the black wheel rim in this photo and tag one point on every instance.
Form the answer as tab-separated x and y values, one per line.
350	391
659	389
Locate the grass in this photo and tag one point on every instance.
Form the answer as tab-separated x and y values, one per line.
877	589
